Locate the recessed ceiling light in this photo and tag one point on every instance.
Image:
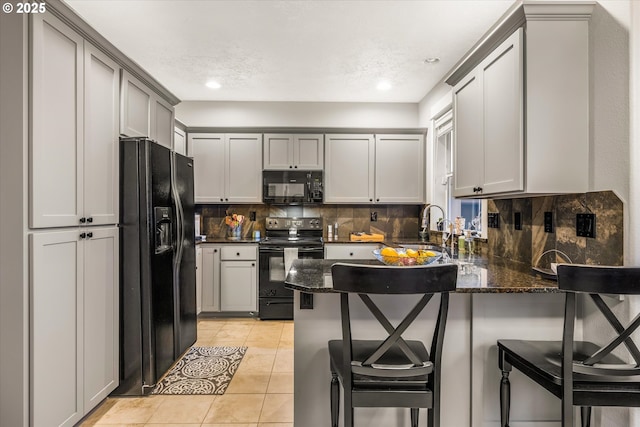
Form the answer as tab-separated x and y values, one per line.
432	60
213	85
384	85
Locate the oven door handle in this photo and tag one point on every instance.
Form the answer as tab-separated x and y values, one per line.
275	249
279	302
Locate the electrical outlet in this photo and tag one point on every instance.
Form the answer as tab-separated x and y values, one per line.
306	301
517	220
548	222
252	216
374	216
493	219
586	225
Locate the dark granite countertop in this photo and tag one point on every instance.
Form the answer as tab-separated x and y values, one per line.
218	240
476	274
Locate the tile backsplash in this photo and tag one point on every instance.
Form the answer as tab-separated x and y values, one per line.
528	244
394	221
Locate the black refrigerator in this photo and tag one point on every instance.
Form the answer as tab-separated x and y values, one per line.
157	262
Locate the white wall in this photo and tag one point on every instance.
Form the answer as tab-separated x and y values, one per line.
297	114
633	229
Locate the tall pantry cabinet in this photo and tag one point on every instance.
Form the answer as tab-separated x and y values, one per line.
73	205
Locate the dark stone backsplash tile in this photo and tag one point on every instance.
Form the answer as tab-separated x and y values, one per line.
526	245
394	221
529	244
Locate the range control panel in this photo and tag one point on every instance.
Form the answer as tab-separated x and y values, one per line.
297	223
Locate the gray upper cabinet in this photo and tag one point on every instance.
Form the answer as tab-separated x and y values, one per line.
135	112
289	151
180	141
208	152
349	170
74	145
162	128
143	113
488	114
400	174
374	169
227	167
521	109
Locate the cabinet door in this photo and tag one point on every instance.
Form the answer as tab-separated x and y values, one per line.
349	169
208	151
278	152
100	315
180	141
162	128
210	278
101	104
468	135
198	279
355	251
55	151
243	168
56	328
308	152
238	286
503	117
399	169
135	108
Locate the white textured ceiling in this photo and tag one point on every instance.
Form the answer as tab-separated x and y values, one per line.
272	50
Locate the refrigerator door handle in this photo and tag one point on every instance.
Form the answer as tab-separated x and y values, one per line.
179	219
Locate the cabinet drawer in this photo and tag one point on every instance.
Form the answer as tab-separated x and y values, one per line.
239	252
359	251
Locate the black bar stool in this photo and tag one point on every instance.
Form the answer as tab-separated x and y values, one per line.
390	372
580	373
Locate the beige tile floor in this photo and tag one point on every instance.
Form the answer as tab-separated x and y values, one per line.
260	393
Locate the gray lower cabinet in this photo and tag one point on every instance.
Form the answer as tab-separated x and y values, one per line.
350	251
229	278
198	279
239	278
74	324
210	277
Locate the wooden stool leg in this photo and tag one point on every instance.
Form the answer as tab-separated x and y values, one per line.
414	417
585	416
348	406
335	400
505	399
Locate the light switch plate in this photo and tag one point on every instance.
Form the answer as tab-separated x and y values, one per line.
586	225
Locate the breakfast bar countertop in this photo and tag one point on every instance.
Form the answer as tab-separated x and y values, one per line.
476	274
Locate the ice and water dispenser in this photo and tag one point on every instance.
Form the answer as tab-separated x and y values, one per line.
164	236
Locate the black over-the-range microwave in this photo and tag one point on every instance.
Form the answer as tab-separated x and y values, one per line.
292	187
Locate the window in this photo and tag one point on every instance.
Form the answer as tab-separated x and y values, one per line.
469	210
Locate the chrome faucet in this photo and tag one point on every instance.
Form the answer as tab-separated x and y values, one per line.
446	234
426	220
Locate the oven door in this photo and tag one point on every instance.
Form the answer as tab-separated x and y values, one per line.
275	301
272	269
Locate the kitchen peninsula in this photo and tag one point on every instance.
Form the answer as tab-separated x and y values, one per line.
496	298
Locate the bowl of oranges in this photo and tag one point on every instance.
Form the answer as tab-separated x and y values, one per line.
406	256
